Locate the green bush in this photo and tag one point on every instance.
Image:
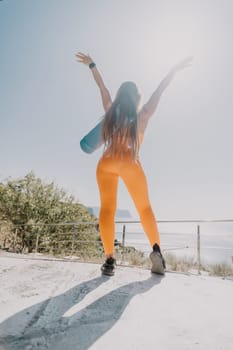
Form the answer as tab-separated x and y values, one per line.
30	211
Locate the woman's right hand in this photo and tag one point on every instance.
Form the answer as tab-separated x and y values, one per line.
85	59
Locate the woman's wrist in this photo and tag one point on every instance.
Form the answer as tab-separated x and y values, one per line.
92	65
172	72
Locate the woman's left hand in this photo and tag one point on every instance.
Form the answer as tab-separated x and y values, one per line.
85	59
183	64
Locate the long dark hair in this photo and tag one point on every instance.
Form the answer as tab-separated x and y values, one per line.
120	126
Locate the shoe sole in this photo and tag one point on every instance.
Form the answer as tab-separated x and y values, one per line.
157	264
107	273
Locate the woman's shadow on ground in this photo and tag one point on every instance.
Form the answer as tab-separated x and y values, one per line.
43	325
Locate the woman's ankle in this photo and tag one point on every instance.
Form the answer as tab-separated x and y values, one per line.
109	256
156	248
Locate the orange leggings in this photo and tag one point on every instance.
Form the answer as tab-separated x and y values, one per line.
108	172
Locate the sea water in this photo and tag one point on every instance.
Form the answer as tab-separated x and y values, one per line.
216	240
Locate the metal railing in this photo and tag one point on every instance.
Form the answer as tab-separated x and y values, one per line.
74	233
198	234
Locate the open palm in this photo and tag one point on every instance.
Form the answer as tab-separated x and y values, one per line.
183	64
85	59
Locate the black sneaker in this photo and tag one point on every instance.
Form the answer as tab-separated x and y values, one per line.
108	268
157	259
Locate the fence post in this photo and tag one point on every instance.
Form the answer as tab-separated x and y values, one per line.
37	241
15	236
73	237
4	242
123	244
198	250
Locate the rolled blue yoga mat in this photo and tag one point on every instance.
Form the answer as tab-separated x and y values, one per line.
93	140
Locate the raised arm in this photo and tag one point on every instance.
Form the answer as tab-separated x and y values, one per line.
105	95
149	108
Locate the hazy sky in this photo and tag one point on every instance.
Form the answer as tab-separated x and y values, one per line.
49	101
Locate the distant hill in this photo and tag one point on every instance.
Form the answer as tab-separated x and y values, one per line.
120	213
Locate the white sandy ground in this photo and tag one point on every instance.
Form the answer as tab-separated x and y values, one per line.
60	305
